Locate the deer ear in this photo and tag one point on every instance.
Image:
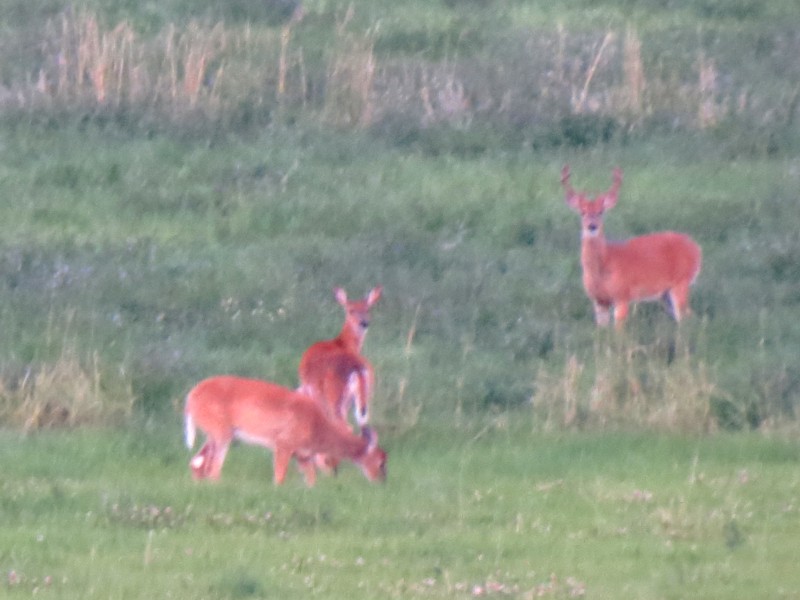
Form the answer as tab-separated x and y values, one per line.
341	295
374	295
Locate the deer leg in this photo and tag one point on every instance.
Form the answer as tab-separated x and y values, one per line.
679	300
669	305
280	463
352	396
326	463
366	395
200	462
602	314
306	466
620	314
217	459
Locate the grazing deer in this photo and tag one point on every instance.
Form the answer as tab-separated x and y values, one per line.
655	266
334	371
266	414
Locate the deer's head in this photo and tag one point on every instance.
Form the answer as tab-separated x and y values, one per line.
591	209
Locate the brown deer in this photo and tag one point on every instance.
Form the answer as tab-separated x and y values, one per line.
655	266
288	422
334	371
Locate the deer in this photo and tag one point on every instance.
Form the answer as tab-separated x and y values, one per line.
655	266
289	422
334	371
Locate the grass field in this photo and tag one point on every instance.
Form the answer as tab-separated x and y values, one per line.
183	185
495	511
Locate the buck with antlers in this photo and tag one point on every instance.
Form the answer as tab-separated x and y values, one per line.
288	422
655	266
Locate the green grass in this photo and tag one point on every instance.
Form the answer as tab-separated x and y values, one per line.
147	242
170	260
116	515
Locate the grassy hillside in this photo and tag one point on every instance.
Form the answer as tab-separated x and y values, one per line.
157	261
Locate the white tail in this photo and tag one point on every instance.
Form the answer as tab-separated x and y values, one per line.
189	431
288	422
656	266
327	367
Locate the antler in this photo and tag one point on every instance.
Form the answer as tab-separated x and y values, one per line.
617	179
565	178
571	197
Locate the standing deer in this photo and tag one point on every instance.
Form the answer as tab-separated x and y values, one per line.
266	414
334	371
654	266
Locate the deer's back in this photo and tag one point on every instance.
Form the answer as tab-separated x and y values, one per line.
643	267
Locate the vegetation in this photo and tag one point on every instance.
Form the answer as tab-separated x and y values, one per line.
494	512
185	183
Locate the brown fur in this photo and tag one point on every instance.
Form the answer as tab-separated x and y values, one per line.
656	266
288	422
334	371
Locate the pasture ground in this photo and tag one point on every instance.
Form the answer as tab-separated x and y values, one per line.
491	510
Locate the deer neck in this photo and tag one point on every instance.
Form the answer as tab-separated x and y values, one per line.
344	444
594	253
350	338
330	435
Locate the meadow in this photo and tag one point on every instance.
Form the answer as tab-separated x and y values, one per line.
185	183
494	509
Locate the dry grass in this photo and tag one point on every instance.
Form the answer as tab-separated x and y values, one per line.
90	65
400	412
710	109
191	58
661	386
633	67
580	97
63	394
214	70
350	78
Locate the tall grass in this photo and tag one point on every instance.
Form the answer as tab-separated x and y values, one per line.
558	86
64	394
62	388
665	385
